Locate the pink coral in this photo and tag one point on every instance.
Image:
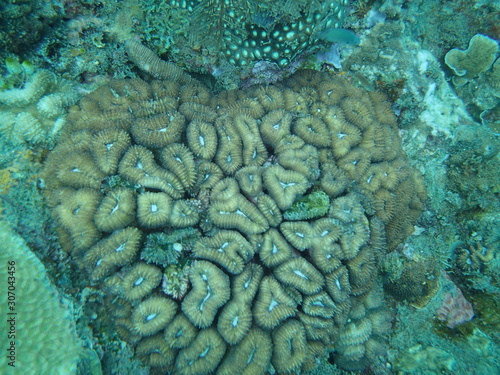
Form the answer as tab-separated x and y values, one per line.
455	309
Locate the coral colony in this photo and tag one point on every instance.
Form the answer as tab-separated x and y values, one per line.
230	193
238	232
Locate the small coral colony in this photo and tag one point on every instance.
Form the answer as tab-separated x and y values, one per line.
274	204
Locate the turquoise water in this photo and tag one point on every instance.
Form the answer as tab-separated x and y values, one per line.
399	136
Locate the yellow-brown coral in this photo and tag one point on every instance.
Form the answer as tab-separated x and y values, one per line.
210	291
140	281
153	209
117	210
203	356
152	315
207	180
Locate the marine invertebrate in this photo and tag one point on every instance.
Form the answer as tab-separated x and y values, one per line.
362	270
35	110
229	249
250	180
455	309
338	285
145	59
180	161
108	147
31	92
202	139
319	304
204	354
154	351
300	274
152	315
80	170
158	130
117	250
183	215
290	345
246	284
475	60
251	355
275	249
416	282
180	332
140	281
210	290
238	213
266	236
351	340
116	211
473	258
284	185
299	234
235	321
176	281
310	206
273	304
164	248
139	167
153	209
277	36
74	214
275	126
48	322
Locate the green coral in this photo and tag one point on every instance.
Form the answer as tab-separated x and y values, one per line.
166	248
310	206
16	73
38	323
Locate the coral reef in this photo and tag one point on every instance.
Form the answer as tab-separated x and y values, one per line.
269	290
25	23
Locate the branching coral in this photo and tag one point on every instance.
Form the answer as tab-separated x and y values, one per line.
265	226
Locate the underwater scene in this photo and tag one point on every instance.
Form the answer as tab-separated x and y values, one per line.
196	187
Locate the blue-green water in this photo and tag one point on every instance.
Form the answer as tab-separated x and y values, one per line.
160	163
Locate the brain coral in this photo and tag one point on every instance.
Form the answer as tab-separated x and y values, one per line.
292	191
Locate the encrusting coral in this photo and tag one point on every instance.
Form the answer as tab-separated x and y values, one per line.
264	213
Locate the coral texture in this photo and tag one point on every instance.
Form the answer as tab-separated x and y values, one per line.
35	112
38	324
270	286
475	60
412	281
244	31
455	309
